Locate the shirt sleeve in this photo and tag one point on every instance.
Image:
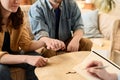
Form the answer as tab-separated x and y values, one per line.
77	22
25	39
37	21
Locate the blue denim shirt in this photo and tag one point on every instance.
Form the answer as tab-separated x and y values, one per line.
42	19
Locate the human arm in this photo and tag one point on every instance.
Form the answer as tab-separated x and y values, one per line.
38	21
27	44
100	73
20	38
36	44
74	43
53	44
17	59
42	27
76	27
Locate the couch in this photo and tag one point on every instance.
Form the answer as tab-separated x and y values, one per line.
107	26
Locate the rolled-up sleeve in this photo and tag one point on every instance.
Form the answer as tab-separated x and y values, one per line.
77	22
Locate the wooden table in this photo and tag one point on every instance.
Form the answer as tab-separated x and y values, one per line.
59	66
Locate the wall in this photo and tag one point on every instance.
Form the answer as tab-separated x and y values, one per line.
27	2
116	10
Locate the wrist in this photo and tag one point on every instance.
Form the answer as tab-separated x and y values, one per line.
76	39
25	59
44	39
42	43
115	77
112	76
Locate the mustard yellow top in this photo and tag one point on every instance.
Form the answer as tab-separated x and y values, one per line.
19	38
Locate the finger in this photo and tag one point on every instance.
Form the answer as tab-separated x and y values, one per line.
54	43
55	49
58	44
42	63
95	71
74	49
38	64
51	47
69	48
48	47
45	60
63	45
63	48
94	63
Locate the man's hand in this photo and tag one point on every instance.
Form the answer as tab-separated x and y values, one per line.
53	44
73	45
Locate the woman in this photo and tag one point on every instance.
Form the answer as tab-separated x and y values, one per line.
13	37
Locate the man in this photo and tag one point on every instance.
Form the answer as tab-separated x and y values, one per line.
53	20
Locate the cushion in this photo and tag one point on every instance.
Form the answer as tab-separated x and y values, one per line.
90	20
106	24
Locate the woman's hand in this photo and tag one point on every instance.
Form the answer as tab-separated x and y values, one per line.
37	61
100	73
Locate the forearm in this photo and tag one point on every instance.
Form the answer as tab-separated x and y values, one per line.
13	59
45	39
113	76
110	76
36	45
77	35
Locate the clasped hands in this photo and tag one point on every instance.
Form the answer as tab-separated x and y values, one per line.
56	45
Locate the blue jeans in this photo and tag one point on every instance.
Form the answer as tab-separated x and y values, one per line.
30	75
4	73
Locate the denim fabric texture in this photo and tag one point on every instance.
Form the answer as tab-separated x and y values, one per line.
29	70
42	19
